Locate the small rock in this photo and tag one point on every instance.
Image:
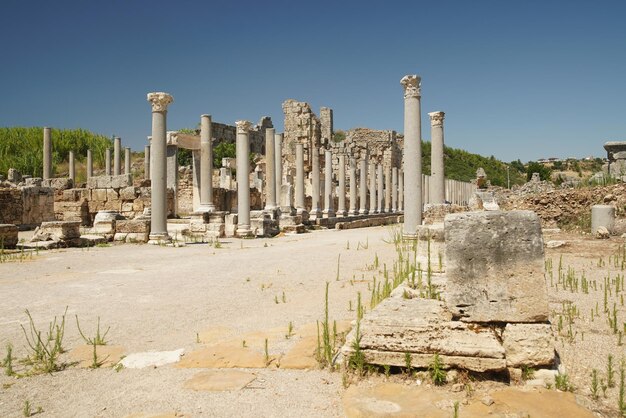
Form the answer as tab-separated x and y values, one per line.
602	233
487	400
608	198
555	244
452	376
418	382
457	387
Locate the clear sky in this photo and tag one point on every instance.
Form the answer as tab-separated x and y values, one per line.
517	79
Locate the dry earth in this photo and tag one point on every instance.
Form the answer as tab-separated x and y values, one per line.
210	300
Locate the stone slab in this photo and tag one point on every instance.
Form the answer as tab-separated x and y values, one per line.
108	355
151	359
495	267
528	345
220	380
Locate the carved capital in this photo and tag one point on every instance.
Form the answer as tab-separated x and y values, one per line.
243	126
436	118
412	86
160	101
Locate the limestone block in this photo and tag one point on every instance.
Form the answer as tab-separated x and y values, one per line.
528	345
495	267
112	194
131	237
60	183
115	205
99	195
57	230
127	207
104	227
133	226
8	235
138	206
129	193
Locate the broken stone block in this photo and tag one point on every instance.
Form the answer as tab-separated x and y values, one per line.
8	235
528	345
495	267
57	230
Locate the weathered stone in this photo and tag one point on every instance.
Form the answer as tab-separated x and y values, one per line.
495	267
129	193
151	359
132	226
220	380
528	345
8	235
602	233
60	183
57	230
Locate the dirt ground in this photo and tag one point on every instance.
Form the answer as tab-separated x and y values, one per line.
215	302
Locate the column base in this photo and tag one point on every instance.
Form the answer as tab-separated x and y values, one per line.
302	212
315	214
363	212
159	238
329	213
342	213
205	208
243	231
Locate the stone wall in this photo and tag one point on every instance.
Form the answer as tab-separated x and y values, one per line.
27	205
83	204
301	126
384	147
228	133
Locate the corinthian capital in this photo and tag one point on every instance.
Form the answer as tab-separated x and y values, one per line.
160	101
436	118
243	126
412	86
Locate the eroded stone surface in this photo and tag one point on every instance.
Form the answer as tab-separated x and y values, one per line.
220	380
528	344
495	267
151	359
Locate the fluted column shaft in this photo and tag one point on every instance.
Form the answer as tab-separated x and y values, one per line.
380	186
278	163
437	180
146	162
117	157
394	189
300	200
341	201
127	160
315	179
47	153
72	168
243	177
388	189
206	165
89	164
329	211
373	202
363	187
400	190
107	161
353	192
270	169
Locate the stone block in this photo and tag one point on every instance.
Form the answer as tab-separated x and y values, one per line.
57	230
495	267
133	226
99	195
131	237
129	193
112	194
8	235
60	183
528	345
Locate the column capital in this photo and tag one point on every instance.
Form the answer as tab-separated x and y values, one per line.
412	86
160	101
436	118
243	126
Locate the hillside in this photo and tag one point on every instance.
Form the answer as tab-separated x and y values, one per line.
22	148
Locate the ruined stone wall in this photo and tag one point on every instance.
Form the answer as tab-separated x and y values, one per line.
301	125
28	205
228	133
384	147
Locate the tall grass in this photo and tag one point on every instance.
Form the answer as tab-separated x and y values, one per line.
22	148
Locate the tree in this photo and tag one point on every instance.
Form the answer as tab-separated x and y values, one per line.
535	167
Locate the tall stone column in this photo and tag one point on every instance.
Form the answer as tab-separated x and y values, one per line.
373	202
206	165
363	187
146	162
127	160
107	161
278	163
47	153
72	168
412	156
270	169
437	174
158	219
243	178
353	207
400	190
117	157
315	179
300	200
394	189
380	186
89	164
388	189
329	211
341	201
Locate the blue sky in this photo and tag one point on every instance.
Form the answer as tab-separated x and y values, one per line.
525	79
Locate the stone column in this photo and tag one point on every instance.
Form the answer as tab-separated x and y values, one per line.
329	211
437	174
47	153
300	208
127	160
315	179
388	189
107	161
394	189
400	190
341	201
72	168
412	156
380	188
146	162
372	172
206	165
363	187
158	219
117	158
89	164
270	169
243	178
353	207
278	163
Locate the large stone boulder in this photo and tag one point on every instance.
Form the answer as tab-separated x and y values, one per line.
495	267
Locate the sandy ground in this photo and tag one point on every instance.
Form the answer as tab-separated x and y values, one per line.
160	298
